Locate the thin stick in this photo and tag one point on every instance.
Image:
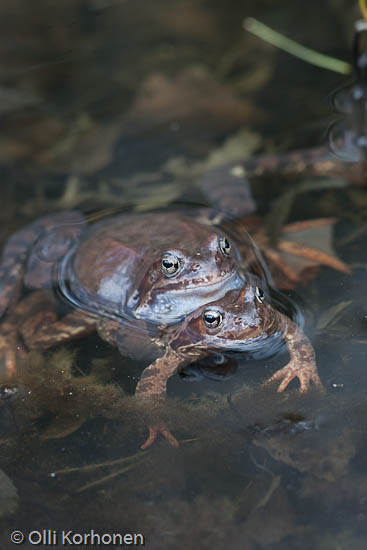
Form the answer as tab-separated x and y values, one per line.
105	478
88	467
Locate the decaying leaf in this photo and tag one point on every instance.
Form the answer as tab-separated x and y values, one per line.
282	206
9	499
301	249
331	316
62	426
193	97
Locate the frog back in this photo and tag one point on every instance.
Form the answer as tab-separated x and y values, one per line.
116	268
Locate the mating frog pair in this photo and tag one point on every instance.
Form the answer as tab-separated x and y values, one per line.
160	285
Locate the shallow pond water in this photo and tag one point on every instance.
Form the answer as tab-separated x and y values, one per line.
125	105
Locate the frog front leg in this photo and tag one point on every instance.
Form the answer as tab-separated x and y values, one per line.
152	389
302	364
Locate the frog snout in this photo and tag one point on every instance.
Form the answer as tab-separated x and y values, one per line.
249	318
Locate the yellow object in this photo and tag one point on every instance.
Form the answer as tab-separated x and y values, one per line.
363	8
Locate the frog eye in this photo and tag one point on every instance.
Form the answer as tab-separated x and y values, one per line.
260	295
170	264
212	318
224	245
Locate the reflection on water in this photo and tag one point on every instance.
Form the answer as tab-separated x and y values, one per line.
348	135
107	103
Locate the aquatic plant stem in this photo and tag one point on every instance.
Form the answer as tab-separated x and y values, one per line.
290	46
363	8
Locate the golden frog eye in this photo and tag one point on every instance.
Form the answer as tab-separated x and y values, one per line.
170	264
260	295
224	245
212	318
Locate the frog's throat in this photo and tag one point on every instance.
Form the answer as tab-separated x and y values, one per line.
171	306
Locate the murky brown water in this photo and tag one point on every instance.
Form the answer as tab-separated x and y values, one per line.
106	103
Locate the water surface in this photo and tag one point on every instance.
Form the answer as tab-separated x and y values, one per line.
107	103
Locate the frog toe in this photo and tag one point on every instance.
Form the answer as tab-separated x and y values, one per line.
307	377
153	432
285	377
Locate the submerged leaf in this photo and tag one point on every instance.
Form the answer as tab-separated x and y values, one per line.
62	426
332	315
281	207
9	499
301	248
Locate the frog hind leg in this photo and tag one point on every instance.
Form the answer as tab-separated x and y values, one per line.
151	388
31	253
34	324
154	430
12	346
42	329
302	364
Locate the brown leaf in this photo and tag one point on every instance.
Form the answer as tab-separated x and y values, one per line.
62	426
316	256
193	97
301	249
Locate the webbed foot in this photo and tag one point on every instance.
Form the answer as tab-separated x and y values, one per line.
154	430
306	374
